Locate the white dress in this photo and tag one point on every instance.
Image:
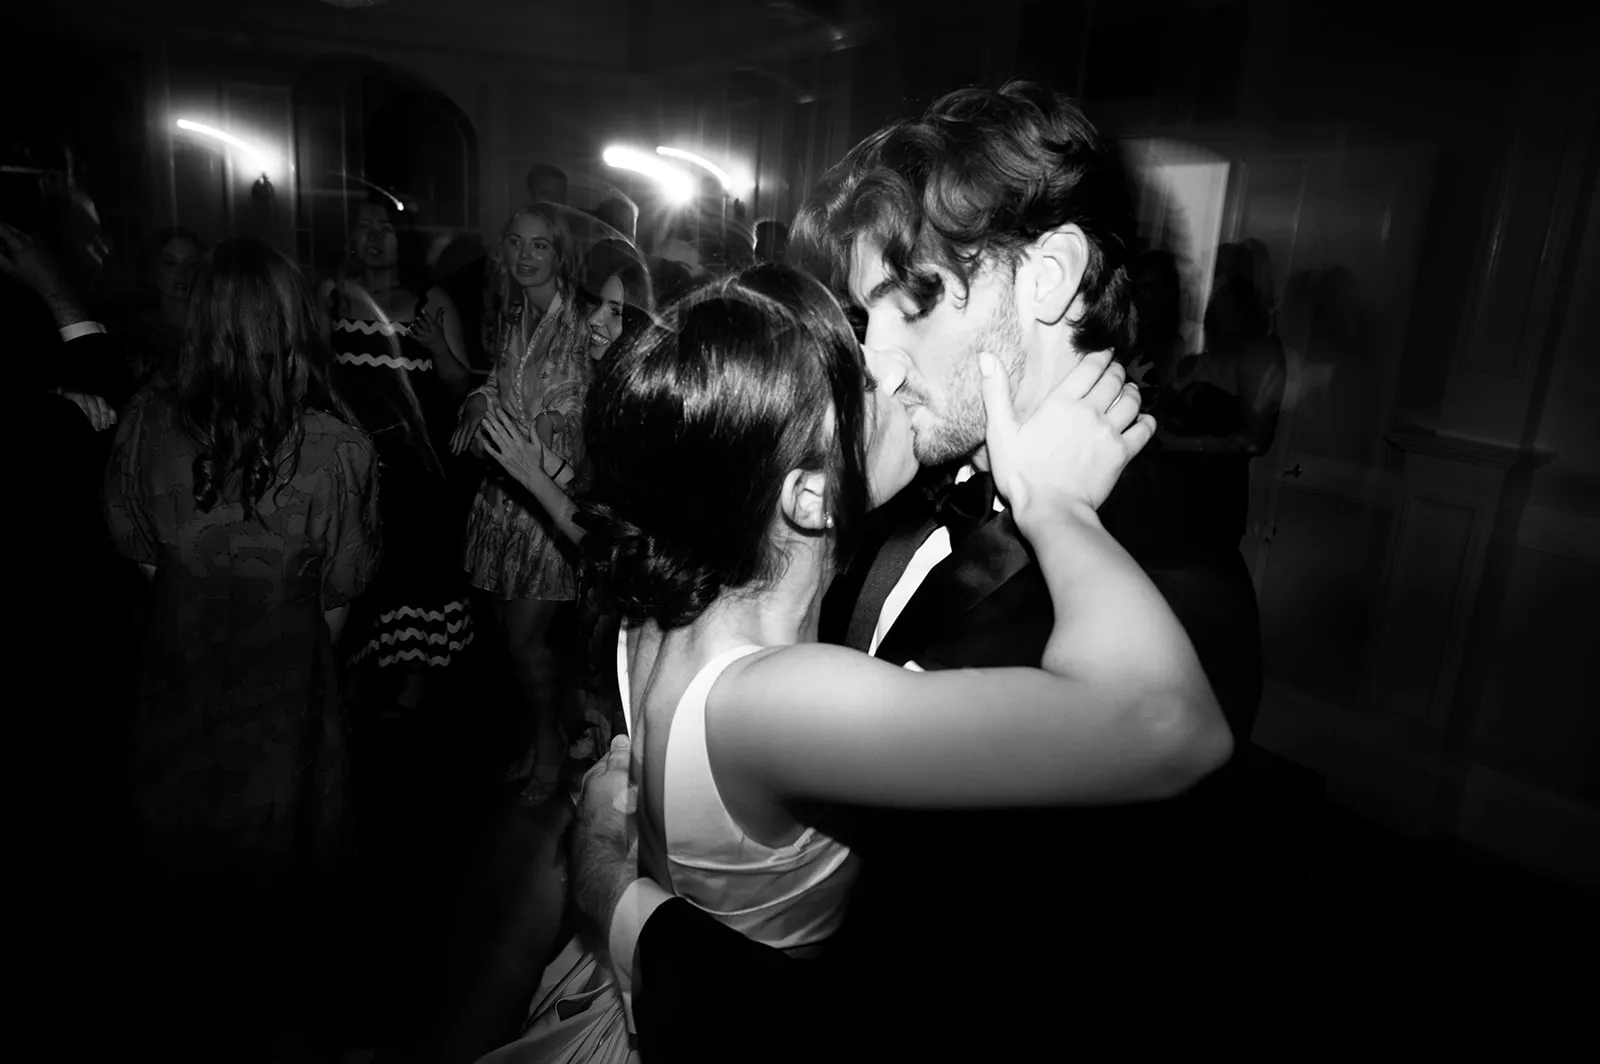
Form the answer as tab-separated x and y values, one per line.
790	897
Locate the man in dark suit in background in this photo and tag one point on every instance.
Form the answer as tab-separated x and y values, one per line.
78	602
996	222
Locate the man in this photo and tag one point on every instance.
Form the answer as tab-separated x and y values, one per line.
70	377
547	184
993	223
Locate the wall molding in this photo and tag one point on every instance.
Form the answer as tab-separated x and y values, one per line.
1395	773
1534	828
1558	532
1418	439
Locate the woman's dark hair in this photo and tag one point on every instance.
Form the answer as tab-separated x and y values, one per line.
974	181
672	279
617	258
254	362
694	425
166	235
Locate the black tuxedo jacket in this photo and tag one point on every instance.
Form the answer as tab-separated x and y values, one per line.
967	931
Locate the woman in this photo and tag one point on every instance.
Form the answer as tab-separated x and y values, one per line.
617	291
514	551
400	363
158	335
1221	407
251	503
617	287
743	724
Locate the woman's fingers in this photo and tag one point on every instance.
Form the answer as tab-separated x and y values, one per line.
1083	377
497	438
503	419
1001	417
1125	409
492	444
1108	389
1142	432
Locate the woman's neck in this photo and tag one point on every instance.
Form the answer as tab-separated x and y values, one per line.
539	296
174	312
780	614
381	278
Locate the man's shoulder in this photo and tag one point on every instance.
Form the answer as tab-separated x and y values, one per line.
1009	626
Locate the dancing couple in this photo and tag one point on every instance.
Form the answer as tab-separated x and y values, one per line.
869	717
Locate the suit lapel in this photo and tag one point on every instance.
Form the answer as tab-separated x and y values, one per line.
850	608
990	556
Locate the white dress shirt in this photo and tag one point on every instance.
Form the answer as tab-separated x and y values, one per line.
71	332
934	549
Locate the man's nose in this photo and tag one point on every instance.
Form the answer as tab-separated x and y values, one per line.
887	365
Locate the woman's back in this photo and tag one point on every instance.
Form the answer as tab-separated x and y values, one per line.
790	893
237	682
280	555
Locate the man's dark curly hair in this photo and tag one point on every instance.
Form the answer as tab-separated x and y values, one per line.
976	180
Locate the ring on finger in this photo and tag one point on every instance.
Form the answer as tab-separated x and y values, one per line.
1129	390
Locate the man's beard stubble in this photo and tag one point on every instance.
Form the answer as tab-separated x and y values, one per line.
963	426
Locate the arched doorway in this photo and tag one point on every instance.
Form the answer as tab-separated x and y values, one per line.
366	128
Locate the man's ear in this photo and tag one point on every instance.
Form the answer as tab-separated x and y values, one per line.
1051	274
804	500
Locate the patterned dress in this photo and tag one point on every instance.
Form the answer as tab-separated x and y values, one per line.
239	751
417	612
513	548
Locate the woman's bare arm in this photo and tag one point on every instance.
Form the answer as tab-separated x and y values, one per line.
1119	710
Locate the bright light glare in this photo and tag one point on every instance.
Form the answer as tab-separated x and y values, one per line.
733	184
676	185
379	189
258	157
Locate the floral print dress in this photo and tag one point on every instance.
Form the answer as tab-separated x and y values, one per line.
513	548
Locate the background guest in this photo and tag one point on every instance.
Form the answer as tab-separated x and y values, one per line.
398	348
157	334
250	501
547	184
514	552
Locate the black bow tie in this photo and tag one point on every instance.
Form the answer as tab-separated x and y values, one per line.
963	507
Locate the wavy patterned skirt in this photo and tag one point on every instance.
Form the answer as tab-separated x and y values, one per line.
416	636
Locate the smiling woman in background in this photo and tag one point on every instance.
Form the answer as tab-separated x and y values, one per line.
400	363
514	551
616	295
618	301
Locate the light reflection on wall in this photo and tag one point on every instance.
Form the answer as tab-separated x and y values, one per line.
1183	196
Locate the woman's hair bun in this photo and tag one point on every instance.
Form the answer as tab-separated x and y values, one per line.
638	576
